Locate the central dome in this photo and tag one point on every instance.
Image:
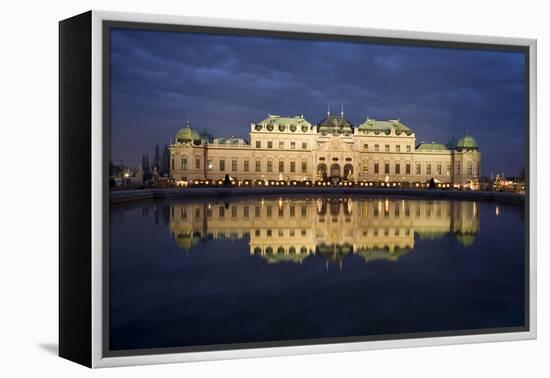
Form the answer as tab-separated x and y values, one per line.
335	125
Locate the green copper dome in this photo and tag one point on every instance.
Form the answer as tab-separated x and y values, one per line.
466	143
187	134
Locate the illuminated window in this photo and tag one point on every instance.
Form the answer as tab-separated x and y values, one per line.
210	165
365	167
292	145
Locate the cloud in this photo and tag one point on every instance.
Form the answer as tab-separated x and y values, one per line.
223	83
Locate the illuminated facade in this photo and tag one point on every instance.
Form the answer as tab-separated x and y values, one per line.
291	230
291	148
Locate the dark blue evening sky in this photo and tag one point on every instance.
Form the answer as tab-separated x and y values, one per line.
223	83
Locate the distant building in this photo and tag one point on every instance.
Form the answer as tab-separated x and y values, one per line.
291	148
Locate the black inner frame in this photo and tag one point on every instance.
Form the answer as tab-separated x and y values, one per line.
106	129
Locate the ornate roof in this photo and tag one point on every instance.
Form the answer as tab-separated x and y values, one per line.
466	143
231	140
187	134
335	125
431	147
384	126
275	122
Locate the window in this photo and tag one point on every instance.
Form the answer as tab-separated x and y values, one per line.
428	169
387	148
304	166
233	165
376	148
458	167
438	169
258	165
258	144
292	211
365	167
376	168
448	169
183	164
257	211
172	164
268	233
304	145
221	211
407	169
397	148
408	148
281	166
281	145
270	166
365	147
197	163
270	144
245	211
304	211
210	165
246	165
222	165
418	169
387	168
234	211
469	168
292	145
269	211
292	166
257	232
397	168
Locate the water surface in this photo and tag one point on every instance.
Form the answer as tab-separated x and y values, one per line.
205	272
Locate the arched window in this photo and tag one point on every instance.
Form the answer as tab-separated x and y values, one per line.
469	168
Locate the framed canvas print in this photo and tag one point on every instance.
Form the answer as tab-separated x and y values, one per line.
234	189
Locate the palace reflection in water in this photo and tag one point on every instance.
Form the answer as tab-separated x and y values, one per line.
293	229
186	273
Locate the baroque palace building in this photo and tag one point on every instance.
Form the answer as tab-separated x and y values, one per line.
291	148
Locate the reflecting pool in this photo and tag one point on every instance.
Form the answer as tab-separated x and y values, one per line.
191	273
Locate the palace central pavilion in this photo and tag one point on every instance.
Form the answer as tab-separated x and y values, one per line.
291	148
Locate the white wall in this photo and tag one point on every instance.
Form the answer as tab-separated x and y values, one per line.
29	139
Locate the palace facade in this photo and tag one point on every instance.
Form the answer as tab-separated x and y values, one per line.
292	148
